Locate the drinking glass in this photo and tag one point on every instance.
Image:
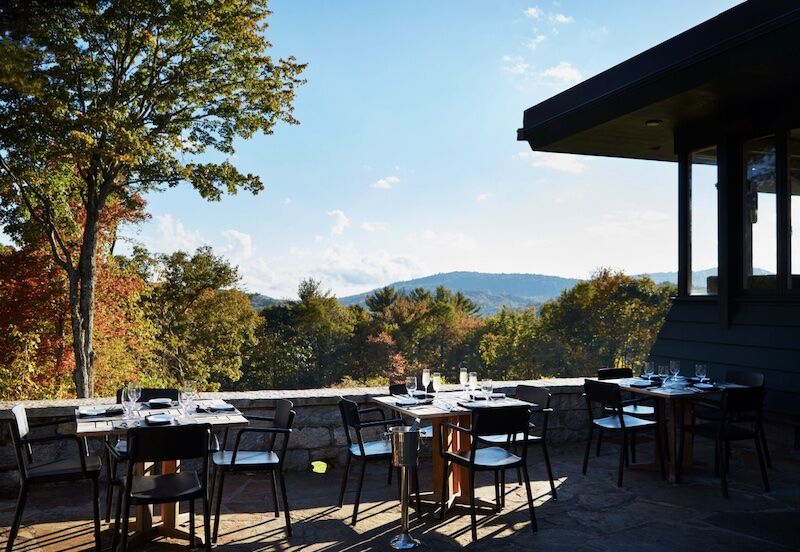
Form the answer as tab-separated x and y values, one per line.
127	404
411	386
437	383
426	379
674	368
487	386
700	372
473	382
649	368
463	377
135	391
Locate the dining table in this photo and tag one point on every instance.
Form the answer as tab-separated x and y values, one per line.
107	421
674	399
453	406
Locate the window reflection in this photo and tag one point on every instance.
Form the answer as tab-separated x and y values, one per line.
703	213
760	214
794	186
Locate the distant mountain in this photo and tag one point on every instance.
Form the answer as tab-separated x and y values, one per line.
259	301
699	278
489	291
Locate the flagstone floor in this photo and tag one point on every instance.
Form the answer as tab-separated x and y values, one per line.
591	512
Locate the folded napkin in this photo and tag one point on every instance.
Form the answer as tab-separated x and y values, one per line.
99	411
156	406
222	407
413	402
159	420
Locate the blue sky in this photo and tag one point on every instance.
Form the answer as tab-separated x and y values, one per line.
406	161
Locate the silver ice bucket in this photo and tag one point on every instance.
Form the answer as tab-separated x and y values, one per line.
405	446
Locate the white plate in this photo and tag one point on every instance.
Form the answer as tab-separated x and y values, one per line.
160	402
703	386
160	419
92	410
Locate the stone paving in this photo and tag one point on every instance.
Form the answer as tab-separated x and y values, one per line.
591	513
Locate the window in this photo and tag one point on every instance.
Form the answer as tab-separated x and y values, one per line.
760	215
794	205
703	221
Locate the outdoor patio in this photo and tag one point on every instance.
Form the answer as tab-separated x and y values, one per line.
591	512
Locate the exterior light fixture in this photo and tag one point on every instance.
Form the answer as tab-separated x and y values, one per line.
653	123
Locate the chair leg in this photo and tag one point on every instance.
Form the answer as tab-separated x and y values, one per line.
472	515
219	486
599	441
192	538
344	480
503	489
443	503
716	459
496	490
761	464
549	470
633	447
111	469
358	491
415	475
622	452
117	516
534	525
679	460
760	430
389	477
723	472
96	512
274	494
284	496
206	521
126	512
588	449
12	535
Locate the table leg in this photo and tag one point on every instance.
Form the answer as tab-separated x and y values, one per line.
459	481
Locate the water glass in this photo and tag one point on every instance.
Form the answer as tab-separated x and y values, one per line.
674	367
437	383
411	385
649	369
426	379
463	377
134	391
487	386
663	371
128	401
700	372
473	381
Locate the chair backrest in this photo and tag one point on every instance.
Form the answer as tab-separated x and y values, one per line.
738	402
150	393
284	419
397	389
539	396
351	420
748	379
614	373
603	393
500	420
157	444
19	430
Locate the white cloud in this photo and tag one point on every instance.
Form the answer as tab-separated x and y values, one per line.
373	226
450	240
562	162
630	222
340	222
515	65
561	18
173	235
239	246
287	201
535	41
386	183
354	270
562	74
485	196
534	13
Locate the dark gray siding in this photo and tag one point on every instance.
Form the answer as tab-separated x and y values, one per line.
763	337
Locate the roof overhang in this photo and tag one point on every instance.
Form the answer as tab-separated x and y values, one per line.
746	58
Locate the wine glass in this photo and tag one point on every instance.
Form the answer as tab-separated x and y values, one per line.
411	386
437	383
663	371
135	391
128	401
185	397
487	386
463	377
700	372
473	382
674	368
426	379
649	368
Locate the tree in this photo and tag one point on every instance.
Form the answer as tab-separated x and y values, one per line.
204	324
104	100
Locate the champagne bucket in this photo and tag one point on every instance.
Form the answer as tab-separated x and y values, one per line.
405	446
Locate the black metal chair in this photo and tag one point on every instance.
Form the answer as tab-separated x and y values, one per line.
368	451
83	466
707	407
510	421
608	396
267	459
739	417
159	444
632	407
425	430
116	449
541	397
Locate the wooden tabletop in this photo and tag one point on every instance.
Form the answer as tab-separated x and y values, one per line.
445	405
666	391
100	426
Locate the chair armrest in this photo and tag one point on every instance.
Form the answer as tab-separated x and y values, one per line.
451	425
78	441
372	409
260	418
393	421
53	422
542	410
278	430
454	427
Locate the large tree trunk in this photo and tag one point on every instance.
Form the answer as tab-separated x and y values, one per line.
81	302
